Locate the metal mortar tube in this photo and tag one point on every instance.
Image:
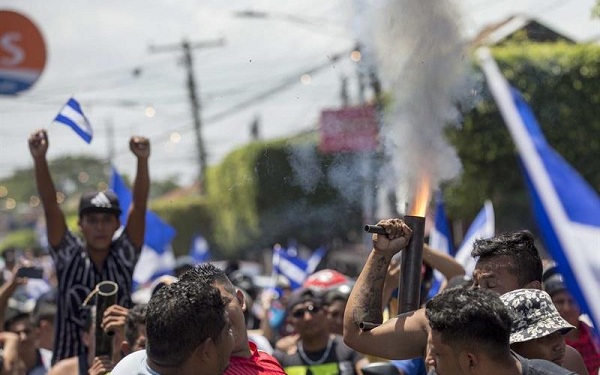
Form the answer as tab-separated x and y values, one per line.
410	268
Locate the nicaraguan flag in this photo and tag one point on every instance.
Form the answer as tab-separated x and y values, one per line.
72	116
440	240
481	228
157	257
566	208
289	265
313	262
199	250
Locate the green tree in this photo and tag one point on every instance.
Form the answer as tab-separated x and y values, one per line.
23	238
268	193
72	176
562	84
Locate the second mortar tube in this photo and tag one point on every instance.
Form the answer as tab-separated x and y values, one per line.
412	258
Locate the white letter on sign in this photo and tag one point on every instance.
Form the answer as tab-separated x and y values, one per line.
8	43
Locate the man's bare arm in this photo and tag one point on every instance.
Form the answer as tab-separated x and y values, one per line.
136	220
56	224
401	337
368	300
447	265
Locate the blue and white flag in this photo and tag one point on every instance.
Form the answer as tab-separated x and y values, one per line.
157	257
482	227
199	250
440	240
289	265
313	262
72	115
566	208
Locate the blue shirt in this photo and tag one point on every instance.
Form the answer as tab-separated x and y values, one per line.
414	366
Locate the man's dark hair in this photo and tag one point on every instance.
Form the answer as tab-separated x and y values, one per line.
302	295
135	318
520	247
209	274
17	317
44	311
179	318
332	295
471	319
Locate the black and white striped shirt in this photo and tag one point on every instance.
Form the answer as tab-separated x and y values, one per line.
77	277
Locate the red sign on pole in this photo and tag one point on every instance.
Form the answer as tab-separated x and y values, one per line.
349	129
22	53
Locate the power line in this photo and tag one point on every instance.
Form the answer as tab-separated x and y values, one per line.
132	71
267	93
286	82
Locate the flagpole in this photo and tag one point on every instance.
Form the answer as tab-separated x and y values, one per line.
275	258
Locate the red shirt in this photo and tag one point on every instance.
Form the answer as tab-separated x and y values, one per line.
259	363
588	347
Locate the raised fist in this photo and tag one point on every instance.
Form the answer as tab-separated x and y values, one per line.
38	143
140	146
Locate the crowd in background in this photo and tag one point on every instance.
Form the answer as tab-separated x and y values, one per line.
288	324
511	316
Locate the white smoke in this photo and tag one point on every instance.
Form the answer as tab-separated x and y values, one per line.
418	53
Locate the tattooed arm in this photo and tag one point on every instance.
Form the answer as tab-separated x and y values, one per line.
402	337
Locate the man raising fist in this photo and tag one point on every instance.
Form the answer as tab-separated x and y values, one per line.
82	263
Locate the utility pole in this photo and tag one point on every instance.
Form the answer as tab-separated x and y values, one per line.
367	160
110	147
110	140
344	91
360	77
186	47
372	160
255	129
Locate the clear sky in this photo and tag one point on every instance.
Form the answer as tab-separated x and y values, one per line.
96	48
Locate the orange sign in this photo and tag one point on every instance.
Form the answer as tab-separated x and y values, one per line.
22	53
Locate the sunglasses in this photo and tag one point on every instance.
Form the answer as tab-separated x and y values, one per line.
299	313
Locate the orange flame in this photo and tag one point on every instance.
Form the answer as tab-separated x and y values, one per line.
421	198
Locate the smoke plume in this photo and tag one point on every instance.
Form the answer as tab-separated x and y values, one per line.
416	50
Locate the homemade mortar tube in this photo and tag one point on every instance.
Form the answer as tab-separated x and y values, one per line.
106	296
410	268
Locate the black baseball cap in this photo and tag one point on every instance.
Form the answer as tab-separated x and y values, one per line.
99	201
552	281
302	295
554	284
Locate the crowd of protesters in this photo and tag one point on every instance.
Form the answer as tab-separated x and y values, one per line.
513	316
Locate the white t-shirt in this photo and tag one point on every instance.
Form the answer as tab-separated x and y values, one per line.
134	364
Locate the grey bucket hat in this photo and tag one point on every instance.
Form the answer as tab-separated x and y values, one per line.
534	315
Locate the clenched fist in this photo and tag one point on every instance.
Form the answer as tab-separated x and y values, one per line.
38	143
140	146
